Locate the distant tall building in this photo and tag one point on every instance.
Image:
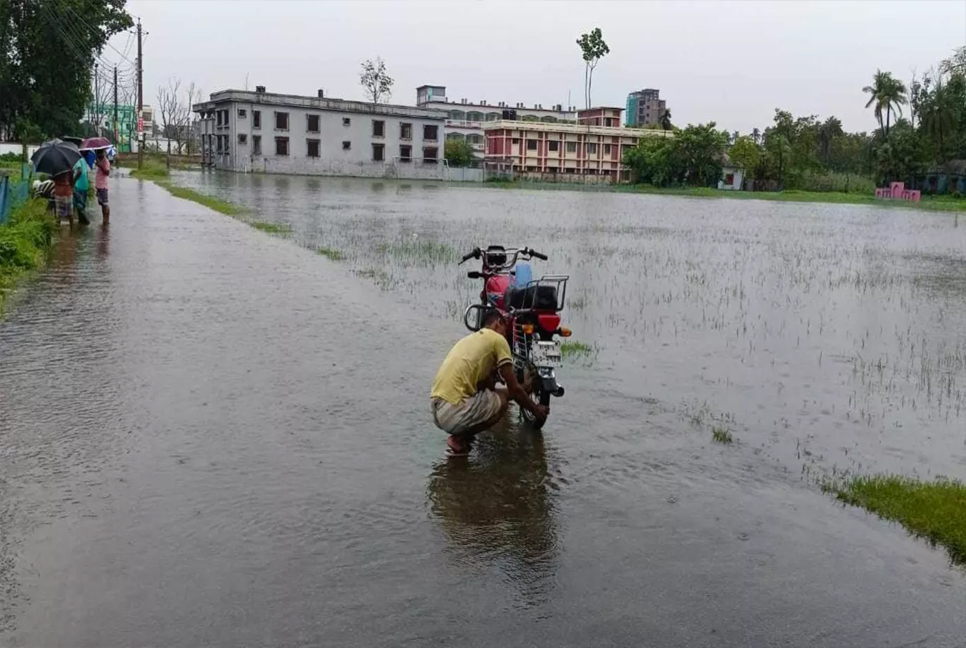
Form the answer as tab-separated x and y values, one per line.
645	107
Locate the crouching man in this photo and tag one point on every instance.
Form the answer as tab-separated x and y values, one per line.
465	397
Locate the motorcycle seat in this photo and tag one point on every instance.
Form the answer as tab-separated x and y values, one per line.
535	297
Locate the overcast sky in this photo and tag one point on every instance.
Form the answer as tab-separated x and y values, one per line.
731	62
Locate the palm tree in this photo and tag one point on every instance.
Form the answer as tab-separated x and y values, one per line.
756	135
666	121
887	94
828	131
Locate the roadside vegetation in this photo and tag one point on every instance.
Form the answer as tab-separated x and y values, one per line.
575	349
721	434
935	511
24	243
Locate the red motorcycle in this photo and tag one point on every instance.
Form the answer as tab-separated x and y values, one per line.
532	310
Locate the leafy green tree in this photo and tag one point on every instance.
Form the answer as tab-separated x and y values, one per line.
938	117
745	154
886	94
458	153
592	49
47	53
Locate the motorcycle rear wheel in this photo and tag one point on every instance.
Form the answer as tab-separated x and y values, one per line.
539	396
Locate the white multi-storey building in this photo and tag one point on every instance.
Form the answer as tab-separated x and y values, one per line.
279	133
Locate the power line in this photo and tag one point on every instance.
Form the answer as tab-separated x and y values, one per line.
82	21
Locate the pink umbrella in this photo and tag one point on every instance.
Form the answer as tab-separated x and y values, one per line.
95	143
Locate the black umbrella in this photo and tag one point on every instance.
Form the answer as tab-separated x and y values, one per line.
55	157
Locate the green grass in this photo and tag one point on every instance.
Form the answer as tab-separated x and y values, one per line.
24	243
930	203
933	510
217	204
330	253
419	250
721	434
271	228
575	349
151	169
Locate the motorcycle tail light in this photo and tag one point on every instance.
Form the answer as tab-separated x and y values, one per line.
527	328
563	331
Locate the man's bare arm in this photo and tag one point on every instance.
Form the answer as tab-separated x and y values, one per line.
516	392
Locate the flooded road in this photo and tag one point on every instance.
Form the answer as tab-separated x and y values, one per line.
209	435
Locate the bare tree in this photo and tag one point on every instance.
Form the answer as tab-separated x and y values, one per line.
376	82
174	109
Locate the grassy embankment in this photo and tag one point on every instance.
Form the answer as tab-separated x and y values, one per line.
932	203
935	511
24	242
156	171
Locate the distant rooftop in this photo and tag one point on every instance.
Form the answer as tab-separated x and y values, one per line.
316	103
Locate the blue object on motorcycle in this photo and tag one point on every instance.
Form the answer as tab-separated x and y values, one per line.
523	275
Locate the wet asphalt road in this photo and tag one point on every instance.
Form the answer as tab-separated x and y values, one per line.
213	436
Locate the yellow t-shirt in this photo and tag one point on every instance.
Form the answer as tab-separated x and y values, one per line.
469	362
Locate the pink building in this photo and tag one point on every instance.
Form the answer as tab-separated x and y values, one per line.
592	150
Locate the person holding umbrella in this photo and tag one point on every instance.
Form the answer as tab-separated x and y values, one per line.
57	159
100	146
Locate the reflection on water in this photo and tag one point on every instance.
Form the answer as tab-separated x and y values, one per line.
497	509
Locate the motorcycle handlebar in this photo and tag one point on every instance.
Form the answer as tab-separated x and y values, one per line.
537	255
475	253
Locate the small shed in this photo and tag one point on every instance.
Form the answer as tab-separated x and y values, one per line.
732	177
945	178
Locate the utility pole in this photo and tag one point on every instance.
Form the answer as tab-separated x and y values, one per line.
140	98
116	130
96	109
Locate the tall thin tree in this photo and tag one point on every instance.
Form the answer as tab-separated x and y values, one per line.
592	49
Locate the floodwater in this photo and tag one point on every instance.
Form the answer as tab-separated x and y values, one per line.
209	435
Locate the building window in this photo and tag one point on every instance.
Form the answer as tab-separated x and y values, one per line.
606	149
405	153
430	133
346	121
281	146
312	123
346	145
312	148
516	140
378	152
591	148
256	119
281	121
571	147
405	131
553	145
256	144
378	128
430	153
531	145
242	113
242	138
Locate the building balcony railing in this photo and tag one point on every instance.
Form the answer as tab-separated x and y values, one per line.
460	123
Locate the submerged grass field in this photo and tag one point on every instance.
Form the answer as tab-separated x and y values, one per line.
933	510
931	203
24	243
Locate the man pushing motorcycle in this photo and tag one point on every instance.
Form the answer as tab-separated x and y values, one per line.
465	397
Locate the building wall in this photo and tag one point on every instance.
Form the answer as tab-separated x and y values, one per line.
735	175
238	135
